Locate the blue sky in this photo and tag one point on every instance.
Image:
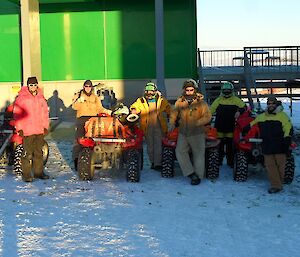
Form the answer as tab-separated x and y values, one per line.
233	24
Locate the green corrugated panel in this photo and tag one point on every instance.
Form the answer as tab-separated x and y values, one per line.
116	40
180	38
72	45
10	61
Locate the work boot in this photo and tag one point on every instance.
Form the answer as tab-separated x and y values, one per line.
43	176
76	164
158	167
274	190
195	180
27	179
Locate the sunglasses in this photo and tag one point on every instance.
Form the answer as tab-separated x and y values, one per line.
32	85
189	90
87	86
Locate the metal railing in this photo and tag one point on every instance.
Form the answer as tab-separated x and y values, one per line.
269	56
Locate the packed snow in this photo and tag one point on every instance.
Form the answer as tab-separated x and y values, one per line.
158	216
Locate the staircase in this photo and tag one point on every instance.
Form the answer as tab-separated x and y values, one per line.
256	72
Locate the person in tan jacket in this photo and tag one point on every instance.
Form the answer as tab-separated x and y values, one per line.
153	110
86	104
192	114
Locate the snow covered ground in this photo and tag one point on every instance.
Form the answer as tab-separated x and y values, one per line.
108	216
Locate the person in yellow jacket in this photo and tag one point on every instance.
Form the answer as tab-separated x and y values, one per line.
153	110
192	114
227	107
86	104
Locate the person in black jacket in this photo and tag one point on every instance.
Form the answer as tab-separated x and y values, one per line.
275	130
227	107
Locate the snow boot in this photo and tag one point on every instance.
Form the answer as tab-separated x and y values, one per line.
195	180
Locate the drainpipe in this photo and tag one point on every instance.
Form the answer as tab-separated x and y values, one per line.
159	41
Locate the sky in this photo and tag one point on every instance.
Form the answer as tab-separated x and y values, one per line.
234	24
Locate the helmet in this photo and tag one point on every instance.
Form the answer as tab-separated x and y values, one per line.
132	118
120	109
227	89
150	86
190	83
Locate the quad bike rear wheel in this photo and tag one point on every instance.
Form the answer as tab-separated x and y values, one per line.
240	168
86	168
212	163
168	158
133	166
289	169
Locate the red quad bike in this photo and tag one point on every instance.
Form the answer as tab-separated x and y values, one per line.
248	150
108	144
11	143
211	153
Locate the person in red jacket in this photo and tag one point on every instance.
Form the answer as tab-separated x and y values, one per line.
31	117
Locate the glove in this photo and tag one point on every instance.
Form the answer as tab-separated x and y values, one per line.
21	133
45	131
287	143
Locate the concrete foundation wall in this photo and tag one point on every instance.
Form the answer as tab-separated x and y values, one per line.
59	94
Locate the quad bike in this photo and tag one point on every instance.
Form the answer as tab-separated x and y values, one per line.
11	143
247	150
110	144
211	153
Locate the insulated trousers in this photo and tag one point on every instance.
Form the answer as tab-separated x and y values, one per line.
32	156
196	145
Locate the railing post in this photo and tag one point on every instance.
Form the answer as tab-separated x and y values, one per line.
247	75
201	79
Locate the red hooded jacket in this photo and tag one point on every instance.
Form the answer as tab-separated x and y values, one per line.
31	112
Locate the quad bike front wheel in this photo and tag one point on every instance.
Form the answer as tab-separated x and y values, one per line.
212	163
86	168
289	170
133	166
240	168
168	159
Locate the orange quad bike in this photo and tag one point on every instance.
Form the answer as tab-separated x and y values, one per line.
211	153
109	144
247	150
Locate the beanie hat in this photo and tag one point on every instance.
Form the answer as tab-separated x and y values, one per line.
32	80
88	82
190	83
272	99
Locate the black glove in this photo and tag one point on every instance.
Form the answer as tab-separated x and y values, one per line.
287	143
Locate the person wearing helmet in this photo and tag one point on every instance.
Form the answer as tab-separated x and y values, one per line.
86	104
275	129
192	113
153	110
227	107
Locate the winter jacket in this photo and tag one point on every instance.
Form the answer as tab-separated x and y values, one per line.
31	112
88	105
225	109
191	117
163	109
274	129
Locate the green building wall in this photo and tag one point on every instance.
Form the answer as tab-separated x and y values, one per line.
10	49
103	40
